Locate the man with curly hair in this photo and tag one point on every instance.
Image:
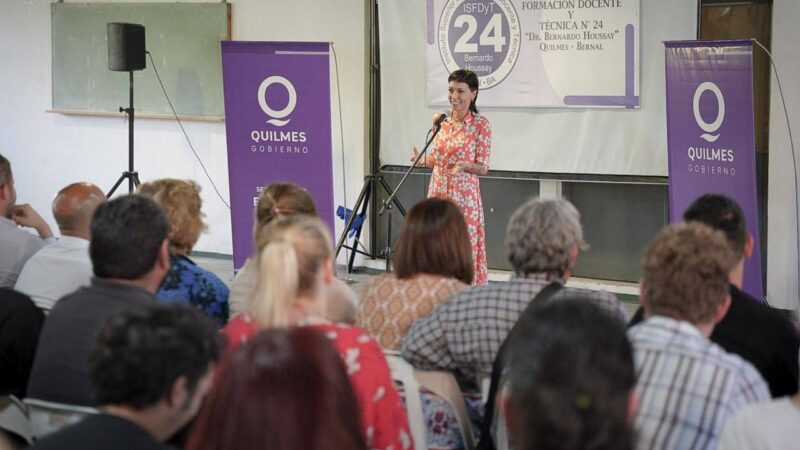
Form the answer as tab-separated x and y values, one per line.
688	385
150	369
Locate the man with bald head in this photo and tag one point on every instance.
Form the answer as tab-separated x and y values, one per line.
63	267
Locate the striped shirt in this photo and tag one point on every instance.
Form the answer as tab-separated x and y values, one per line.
688	386
464	334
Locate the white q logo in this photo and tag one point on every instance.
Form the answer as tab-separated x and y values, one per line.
262	100
714	126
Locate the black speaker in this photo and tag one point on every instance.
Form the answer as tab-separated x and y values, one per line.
126	49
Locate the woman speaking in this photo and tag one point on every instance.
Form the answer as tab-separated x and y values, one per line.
459	155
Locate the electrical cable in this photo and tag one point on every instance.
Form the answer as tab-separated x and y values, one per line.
180	124
794	162
341	136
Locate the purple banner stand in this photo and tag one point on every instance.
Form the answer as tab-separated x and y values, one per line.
710	132
278	125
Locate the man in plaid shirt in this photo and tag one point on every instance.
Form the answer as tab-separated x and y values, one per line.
688	386
464	334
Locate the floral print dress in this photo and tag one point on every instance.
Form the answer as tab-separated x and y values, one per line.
383	415
469	140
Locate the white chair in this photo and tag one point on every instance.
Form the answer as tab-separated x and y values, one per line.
14	418
48	417
443	384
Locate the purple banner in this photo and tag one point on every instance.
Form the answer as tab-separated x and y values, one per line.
278	125
710	132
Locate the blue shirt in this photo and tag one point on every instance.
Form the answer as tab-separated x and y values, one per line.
188	283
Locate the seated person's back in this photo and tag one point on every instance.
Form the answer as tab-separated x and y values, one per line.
20	324
432	261
130	258
464	334
150	369
688	385
187	282
63	266
16	245
750	329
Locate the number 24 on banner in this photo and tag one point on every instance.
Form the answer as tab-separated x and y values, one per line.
493	54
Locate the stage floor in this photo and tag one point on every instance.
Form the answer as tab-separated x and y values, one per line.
222	266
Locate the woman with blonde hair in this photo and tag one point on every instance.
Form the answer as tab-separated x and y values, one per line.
187	282
283	200
295	269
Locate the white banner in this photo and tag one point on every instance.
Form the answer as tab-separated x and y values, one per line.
547	53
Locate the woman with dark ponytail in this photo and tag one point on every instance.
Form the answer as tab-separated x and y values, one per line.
458	156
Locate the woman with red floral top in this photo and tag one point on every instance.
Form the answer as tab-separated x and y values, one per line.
459	155
294	268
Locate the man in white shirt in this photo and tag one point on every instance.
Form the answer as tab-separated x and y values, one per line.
64	266
17	245
764	426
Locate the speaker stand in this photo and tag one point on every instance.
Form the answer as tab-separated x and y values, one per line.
131	175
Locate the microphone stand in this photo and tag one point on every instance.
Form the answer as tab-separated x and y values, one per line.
387	204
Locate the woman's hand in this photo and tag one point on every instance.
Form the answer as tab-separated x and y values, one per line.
463	166
424	162
415	156
457	168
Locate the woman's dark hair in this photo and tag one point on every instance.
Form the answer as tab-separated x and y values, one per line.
571	377
285	389
720	212
468	77
434	240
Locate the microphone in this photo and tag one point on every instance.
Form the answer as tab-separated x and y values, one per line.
440	119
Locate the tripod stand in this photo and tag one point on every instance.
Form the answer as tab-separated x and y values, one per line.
131	175
363	200
371	182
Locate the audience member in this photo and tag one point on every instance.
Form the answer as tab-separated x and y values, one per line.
464	334
17	245
295	268
64	266
20	324
150	369
750	329
571	380
130	257
282	200
764	426
432	261
187	282
286	389
688	385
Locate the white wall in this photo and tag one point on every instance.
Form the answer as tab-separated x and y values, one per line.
782	261
49	151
